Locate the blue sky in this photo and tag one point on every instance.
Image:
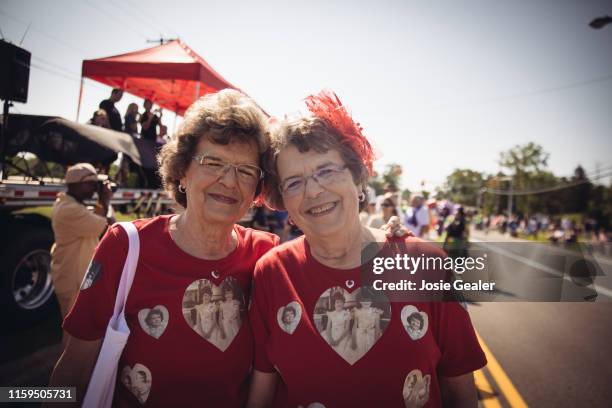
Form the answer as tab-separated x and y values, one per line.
436	85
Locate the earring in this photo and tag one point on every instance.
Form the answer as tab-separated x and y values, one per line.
182	189
361	196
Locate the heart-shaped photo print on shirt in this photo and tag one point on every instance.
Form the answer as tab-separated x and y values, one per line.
154	321
138	381
288	317
215	312
352	322
416	389
415	322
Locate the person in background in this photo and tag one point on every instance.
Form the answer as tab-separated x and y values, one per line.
99	118
389	209
367	213
280	220
417	217
130	127
260	219
391	191
162	137
149	121
114	117
455	242
131	119
367	209
443	213
77	230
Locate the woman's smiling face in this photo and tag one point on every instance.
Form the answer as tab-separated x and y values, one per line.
225	198
319	211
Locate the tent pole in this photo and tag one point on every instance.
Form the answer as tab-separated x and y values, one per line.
197	94
80	96
174	124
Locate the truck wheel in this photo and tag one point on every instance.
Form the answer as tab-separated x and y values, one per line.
27	289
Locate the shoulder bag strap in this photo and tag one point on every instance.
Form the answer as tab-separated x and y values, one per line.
129	268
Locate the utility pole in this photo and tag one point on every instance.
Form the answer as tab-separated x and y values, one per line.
510	199
510	187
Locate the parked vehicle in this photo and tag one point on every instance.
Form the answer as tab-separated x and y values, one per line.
26	289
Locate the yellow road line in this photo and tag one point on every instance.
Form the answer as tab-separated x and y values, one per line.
501	378
487	393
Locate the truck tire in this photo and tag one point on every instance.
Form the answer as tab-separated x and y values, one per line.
26	289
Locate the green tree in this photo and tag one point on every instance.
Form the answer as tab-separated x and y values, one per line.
576	198
462	186
389	179
524	159
600	205
548	203
526	164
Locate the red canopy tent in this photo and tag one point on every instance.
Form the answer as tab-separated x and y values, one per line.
172	75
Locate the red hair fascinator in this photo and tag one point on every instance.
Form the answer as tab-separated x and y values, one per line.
327	106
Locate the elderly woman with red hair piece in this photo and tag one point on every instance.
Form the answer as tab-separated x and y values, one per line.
317	169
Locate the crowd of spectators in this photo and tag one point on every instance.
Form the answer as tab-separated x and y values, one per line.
146	125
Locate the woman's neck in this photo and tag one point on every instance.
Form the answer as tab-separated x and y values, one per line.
202	239
340	251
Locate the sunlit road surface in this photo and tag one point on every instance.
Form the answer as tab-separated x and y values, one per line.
545	354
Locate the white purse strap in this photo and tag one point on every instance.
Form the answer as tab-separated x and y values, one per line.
101	386
129	267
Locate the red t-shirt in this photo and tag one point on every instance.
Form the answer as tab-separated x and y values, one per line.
337	344
190	342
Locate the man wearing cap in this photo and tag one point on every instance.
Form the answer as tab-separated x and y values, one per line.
77	230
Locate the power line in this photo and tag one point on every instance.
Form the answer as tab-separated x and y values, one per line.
114	19
546	189
597	169
143	13
54	65
76	76
595	175
54	72
527	94
136	16
69	75
44	34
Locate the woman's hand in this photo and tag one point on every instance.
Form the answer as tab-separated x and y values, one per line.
76	364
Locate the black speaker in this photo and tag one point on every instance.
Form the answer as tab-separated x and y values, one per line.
14	72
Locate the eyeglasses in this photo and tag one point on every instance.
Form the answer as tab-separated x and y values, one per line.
247	173
386	205
324	176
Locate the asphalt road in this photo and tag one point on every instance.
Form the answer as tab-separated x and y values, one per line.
557	354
